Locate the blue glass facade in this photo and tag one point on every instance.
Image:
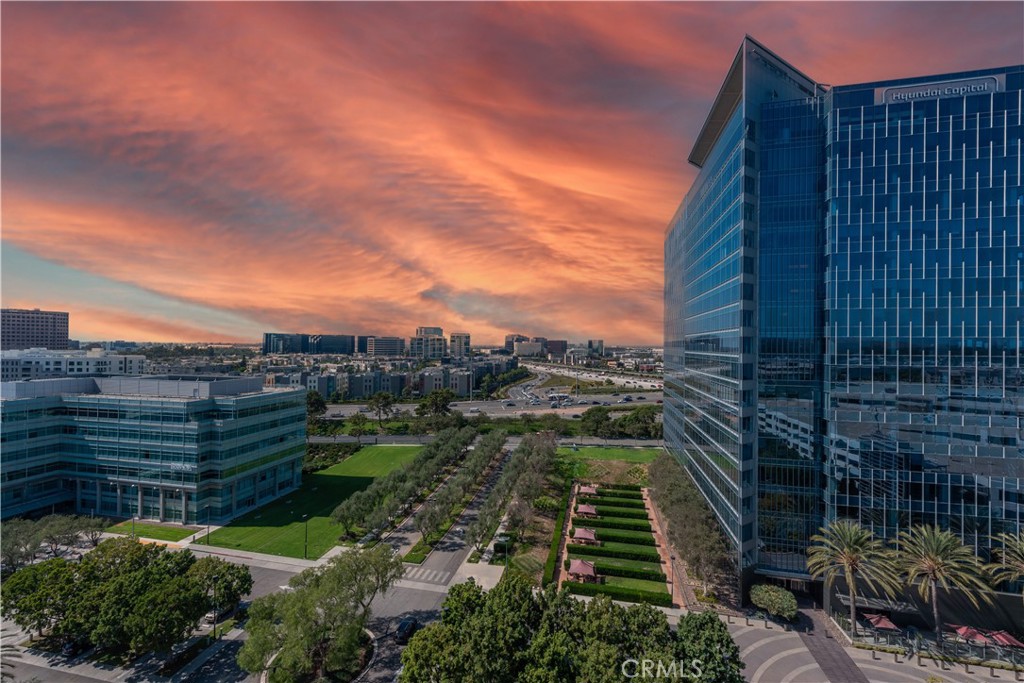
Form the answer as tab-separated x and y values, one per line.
165	455
843	308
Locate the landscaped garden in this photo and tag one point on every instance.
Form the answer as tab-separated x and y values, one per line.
278	528
159	532
611	548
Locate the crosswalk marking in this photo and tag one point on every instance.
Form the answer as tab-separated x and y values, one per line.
428	575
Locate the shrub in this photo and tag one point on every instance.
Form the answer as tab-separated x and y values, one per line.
604	492
622	487
774	600
629	572
619	593
615	502
628	524
628	513
556	537
642	553
634	537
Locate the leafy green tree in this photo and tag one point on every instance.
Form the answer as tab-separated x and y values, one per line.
19	542
436	403
845	549
227	581
165	614
1010	565
58	531
703	638
381	403
435	654
487	385
464	602
92	528
315	403
357	426
933	558
38	596
595	421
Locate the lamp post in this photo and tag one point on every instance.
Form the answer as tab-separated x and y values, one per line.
136	487
305	542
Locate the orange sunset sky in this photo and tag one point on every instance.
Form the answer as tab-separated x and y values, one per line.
208	171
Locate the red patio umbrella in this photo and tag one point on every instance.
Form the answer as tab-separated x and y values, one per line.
971	634
1005	639
881	622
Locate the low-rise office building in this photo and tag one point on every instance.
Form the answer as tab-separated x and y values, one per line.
24	364
185	449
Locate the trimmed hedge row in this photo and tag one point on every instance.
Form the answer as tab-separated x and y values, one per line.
556	537
642	552
623	487
619	593
627	572
629	524
615	493
617	502
619	536
606	511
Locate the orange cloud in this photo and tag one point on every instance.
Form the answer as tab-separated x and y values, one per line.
368	167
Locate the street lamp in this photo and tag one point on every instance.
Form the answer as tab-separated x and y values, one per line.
134	503
305	543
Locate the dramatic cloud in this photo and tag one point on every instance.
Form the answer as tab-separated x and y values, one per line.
230	168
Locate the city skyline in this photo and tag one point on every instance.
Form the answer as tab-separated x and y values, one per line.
207	172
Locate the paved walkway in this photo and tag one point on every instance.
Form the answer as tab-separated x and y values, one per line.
675	582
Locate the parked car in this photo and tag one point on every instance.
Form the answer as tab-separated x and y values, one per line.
71	648
406	629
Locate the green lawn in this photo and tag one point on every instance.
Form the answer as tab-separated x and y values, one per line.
618	562
159	532
633	547
636	584
639	455
277	528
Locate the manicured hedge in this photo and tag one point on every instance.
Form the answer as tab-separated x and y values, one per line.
642	553
556	537
619	593
624	487
630	524
605	511
627	572
616	493
619	536
617	502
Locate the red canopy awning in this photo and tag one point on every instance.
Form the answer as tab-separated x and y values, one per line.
971	634
585	534
582	568
881	622
586	510
587	490
1004	638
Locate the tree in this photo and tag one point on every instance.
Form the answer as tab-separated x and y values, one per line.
381	403
38	596
848	550
487	385
92	528
227	581
595	421
933	558
165	614
58	531
703	638
519	517
1010	567
357	426
436	403
315	403
19	541
774	600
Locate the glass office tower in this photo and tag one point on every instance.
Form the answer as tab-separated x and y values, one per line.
808	375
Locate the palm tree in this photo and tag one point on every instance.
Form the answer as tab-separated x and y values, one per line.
1010	566
934	558
845	548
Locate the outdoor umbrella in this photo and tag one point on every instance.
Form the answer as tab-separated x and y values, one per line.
881	622
1005	639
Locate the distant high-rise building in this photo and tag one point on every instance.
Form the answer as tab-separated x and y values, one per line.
557	347
595	347
528	348
460	347
843	309
277	342
341	344
361	343
22	328
431	331
385	346
511	339
428	347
